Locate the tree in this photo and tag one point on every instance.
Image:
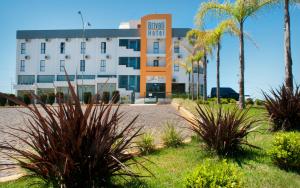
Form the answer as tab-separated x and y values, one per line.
227	26
238	11
287	44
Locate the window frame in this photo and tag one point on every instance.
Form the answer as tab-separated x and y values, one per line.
176	68
22	66
62	47
102	65
42	65
23	48
156	47
43	48
155	63
82	48
103	48
61	67
82	65
176	47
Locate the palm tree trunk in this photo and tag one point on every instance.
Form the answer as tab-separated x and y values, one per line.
287	48
189	85
193	81
198	80
242	68
218	72
205	77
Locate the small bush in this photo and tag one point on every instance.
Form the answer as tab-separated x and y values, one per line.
3	101
286	150
224	101
200	101
232	101
283	107
249	101
105	97
10	102
212	99
115	97
222	130
44	98
27	98
171	137
212	174
180	95
146	143
87	97
258	102
51	98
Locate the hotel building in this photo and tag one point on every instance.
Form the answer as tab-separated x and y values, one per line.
138	58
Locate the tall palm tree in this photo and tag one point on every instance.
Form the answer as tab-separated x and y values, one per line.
287	44
201	43
238	11
227	26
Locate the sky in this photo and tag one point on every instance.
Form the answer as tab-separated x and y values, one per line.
264	62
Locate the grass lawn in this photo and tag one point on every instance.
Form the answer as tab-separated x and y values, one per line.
170	166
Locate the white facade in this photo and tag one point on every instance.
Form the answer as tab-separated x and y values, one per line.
100	67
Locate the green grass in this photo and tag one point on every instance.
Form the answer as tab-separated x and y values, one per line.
171	165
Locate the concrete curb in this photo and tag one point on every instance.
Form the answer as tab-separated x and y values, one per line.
184	112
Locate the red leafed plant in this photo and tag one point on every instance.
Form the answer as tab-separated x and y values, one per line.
69	146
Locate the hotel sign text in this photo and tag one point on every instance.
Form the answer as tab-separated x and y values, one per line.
156	29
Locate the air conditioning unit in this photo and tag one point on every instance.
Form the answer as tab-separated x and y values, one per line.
87	39
47	57
179	38
68	40
179	56
108	57
67	57
27	57
47	40
86	56
27	40
108	39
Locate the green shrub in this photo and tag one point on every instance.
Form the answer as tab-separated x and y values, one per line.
180	95
43	98
232	101
11	103
224	101
212	174
105	97
249	101
286	150
200	101
115	97
223	130
27	98
51	98
3	101
258	102
146	143
212	99
283	108
87	97
171	137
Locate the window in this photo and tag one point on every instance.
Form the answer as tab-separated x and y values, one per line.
23	48
22	66
130	44
64	78
45	78
133	62
102	66
62	65
42	65
129	82
176	47
82	48
62	48
176	67
43	48
82	65
155	47
103	47
155	63
26	79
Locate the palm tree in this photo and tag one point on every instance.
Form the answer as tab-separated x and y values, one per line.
202	46
227	26
238	11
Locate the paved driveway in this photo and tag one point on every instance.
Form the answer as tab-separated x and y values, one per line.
151	117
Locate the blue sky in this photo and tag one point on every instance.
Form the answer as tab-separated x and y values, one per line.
264	65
